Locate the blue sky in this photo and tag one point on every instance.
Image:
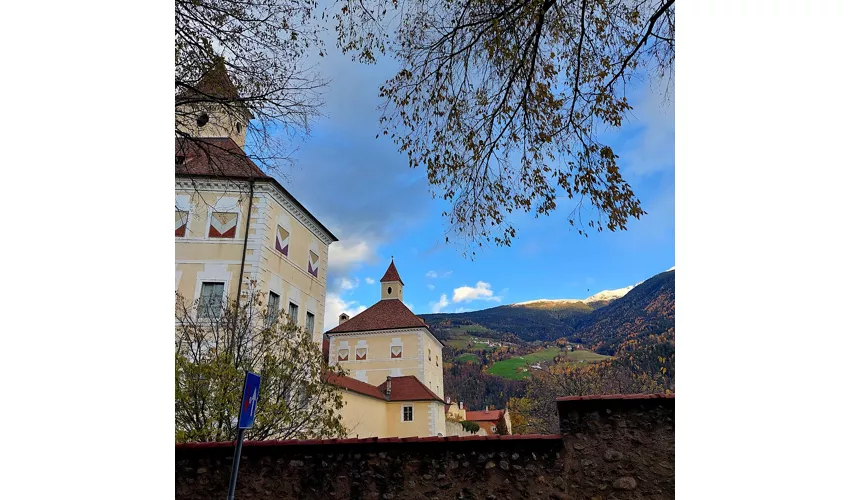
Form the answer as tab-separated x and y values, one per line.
363	190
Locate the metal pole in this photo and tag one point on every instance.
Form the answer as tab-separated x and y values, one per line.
231	492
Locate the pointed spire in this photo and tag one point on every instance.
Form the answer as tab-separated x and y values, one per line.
217	83
391	274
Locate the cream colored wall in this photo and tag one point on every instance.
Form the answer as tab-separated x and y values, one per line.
200	258
433	368
421	424
456	412
364	416
379	364
222	123
290	271
395	286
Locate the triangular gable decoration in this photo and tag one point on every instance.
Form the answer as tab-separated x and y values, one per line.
360	354
313	265
281	241
181	220
395	351
223	225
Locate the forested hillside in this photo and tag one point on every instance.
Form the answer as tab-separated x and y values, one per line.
648	308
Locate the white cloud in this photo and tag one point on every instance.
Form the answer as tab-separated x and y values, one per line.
481	291
430	286
370	281
346	284
439	305
345	255
461	309
409	305
336	305
435	275
431	274
446	274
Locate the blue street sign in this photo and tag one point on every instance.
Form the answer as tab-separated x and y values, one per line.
250	398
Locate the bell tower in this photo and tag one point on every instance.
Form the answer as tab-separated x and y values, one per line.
391	284
213	108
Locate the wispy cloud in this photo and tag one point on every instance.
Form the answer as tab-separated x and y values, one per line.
346	284
431	274
336	305
344	256
370	281
430	286
440	304
481	291
409	305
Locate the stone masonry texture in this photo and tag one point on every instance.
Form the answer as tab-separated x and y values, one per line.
614	449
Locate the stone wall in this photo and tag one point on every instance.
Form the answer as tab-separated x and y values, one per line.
612	448
619	447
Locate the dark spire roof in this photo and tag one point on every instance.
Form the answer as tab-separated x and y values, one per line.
214	85
217	83
391	274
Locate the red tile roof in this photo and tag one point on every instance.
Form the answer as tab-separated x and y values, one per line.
406	388
616	396
391	274
484	415
303	442
222	158
384	315
216	157
409	388
356	386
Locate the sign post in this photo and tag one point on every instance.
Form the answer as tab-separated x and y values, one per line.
247	412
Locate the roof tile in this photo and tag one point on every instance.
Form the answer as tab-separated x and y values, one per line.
391	274
216	157
383	315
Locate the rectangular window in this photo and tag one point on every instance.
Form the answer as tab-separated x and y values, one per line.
293	313
274	307
212	300
407	413
311	319
223	225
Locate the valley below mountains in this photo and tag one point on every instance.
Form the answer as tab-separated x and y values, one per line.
601	323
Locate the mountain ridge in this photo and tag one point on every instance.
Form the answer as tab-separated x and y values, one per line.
645	308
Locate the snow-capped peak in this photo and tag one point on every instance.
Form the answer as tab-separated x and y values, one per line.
603	295
610	294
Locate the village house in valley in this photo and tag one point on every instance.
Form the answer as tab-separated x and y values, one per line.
235	224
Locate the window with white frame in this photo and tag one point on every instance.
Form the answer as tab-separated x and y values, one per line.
293	312
407	413
274	307
212	300
311	320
